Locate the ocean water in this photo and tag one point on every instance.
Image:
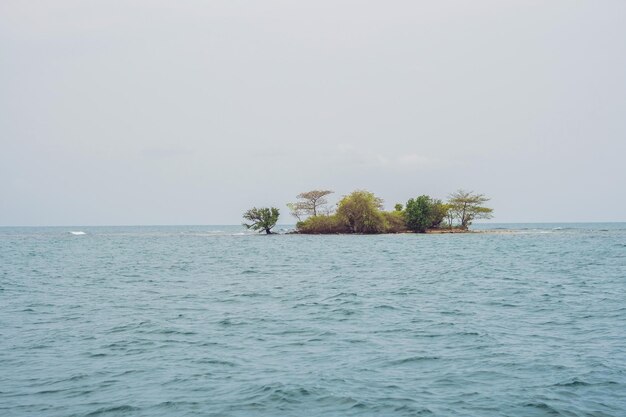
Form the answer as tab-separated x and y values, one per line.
212	321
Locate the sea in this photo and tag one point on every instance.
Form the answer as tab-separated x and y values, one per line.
520	320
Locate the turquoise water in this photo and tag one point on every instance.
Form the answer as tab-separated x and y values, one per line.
210	321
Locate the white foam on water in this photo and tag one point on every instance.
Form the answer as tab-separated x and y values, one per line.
78	233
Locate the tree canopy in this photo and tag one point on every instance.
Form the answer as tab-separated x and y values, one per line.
261	219
423	213
310	203
468	206
361	212
419	213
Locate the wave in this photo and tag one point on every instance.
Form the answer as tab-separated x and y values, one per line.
77	233
412	359
121	409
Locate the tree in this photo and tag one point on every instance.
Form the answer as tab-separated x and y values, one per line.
361	212
449	214
424	213
467	206
262	219
419	213
296	210
395	222
310	205
439	212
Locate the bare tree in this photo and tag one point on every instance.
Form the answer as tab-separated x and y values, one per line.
311	203
296	210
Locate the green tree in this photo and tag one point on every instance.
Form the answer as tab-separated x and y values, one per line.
438	213
419	213
361	212
395	222
468	206
261	219
449	214
310	204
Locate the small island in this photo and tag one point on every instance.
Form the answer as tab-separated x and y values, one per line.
362	212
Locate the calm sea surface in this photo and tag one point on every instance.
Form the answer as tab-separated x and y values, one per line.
209	321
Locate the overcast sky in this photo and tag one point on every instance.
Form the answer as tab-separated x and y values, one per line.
190	112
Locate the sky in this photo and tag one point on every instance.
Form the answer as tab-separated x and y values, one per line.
124	112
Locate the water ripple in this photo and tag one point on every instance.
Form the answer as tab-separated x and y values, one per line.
199	322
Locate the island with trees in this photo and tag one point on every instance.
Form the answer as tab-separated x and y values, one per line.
362	212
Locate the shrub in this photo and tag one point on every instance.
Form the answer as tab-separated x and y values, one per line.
395	222
322	224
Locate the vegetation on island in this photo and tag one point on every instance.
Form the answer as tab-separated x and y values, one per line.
467	206
261	219
362	212
310	203
423	213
